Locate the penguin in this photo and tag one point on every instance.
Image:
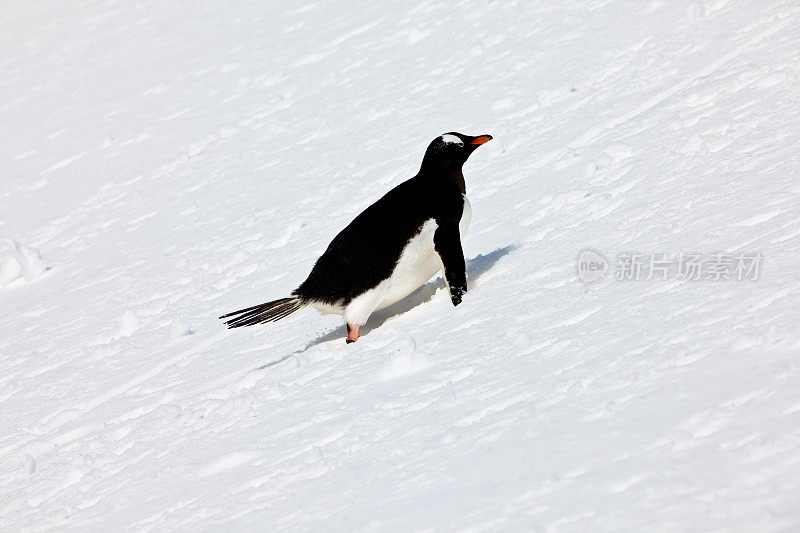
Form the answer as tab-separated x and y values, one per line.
392	248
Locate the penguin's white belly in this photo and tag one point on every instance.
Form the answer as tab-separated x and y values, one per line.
419	261
417	264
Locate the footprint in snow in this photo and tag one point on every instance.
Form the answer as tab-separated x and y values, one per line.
404	359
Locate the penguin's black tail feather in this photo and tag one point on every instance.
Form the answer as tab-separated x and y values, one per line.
268	312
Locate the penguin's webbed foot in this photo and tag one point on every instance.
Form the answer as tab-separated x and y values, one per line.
352	333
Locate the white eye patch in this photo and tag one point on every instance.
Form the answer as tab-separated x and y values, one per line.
452	139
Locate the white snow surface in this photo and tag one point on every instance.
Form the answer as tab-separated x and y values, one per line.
162	163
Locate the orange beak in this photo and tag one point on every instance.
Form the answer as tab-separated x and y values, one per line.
482	139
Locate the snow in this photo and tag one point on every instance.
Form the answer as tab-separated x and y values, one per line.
404	359
164	163
19	263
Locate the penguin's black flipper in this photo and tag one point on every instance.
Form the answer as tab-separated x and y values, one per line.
268	312
447	243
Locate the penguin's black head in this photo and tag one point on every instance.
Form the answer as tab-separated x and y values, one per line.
447	153
452	149
455	147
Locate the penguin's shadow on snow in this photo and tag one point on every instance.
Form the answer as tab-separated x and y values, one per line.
476	267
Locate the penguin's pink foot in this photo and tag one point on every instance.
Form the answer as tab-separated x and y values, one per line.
352	333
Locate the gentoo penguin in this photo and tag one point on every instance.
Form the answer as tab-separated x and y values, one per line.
392	248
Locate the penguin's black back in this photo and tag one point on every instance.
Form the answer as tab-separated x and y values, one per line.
366	252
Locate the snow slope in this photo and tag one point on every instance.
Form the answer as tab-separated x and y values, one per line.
164	162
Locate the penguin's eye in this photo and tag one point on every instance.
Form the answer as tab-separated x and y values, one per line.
452	139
